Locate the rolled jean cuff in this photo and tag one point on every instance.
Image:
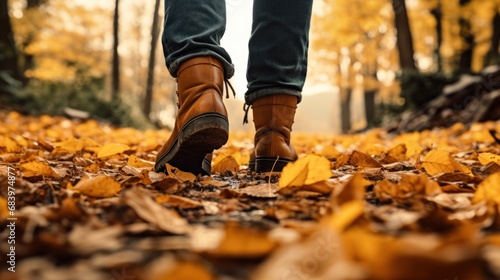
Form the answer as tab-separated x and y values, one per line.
250	97
173	66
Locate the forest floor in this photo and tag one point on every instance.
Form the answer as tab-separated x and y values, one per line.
81	201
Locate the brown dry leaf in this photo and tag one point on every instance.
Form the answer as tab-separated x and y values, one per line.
178	201
70	210
487	158
93	168
440	161
111	149
396	154
228	163
408	186
179	174
243	242
135	161
100	186
38	168
341	161
305	171
360	159
146	208
488	190
354	189
261	190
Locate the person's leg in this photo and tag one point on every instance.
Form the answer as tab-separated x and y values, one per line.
194	28
191	43
276	73
277	62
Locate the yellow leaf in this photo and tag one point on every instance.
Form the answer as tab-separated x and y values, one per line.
179	174
12	146
76	145
305	171
398	152
4	211
135	161
413	149
488	190
330	151
226	164
440	161
486	158
111	149
93	168
347	214
100	186
36	168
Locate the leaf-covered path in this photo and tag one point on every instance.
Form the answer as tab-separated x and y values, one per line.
365	206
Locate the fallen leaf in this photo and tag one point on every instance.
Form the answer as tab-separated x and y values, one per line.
353	190
261	190
93	168
111	149
179	174
487	158
4	211
146	208
135	161
360	159
440	161
243	242
488	190
408	186
38	168
305	171
348	213
100	186
228	163
178	201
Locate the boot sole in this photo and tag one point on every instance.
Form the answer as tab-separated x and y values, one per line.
198	137
268	164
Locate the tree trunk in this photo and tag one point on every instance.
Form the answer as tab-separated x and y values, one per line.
370	110
465	65
345	108
28	62
8	51
155	32
493	56
438	15
403	36
115	74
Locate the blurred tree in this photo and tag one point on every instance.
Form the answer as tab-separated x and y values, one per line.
31	9
155	32
465	62
115	72
493	55
403	36
437	12
9	67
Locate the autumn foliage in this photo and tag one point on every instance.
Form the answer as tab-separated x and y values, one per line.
364	206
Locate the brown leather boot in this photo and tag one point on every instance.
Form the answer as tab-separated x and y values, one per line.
273	118
201	124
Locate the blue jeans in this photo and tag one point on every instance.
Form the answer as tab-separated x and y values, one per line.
277	62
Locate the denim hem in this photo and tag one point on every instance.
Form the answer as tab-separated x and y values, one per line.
173	67
250	97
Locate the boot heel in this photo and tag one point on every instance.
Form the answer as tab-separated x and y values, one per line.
270	164
197	138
